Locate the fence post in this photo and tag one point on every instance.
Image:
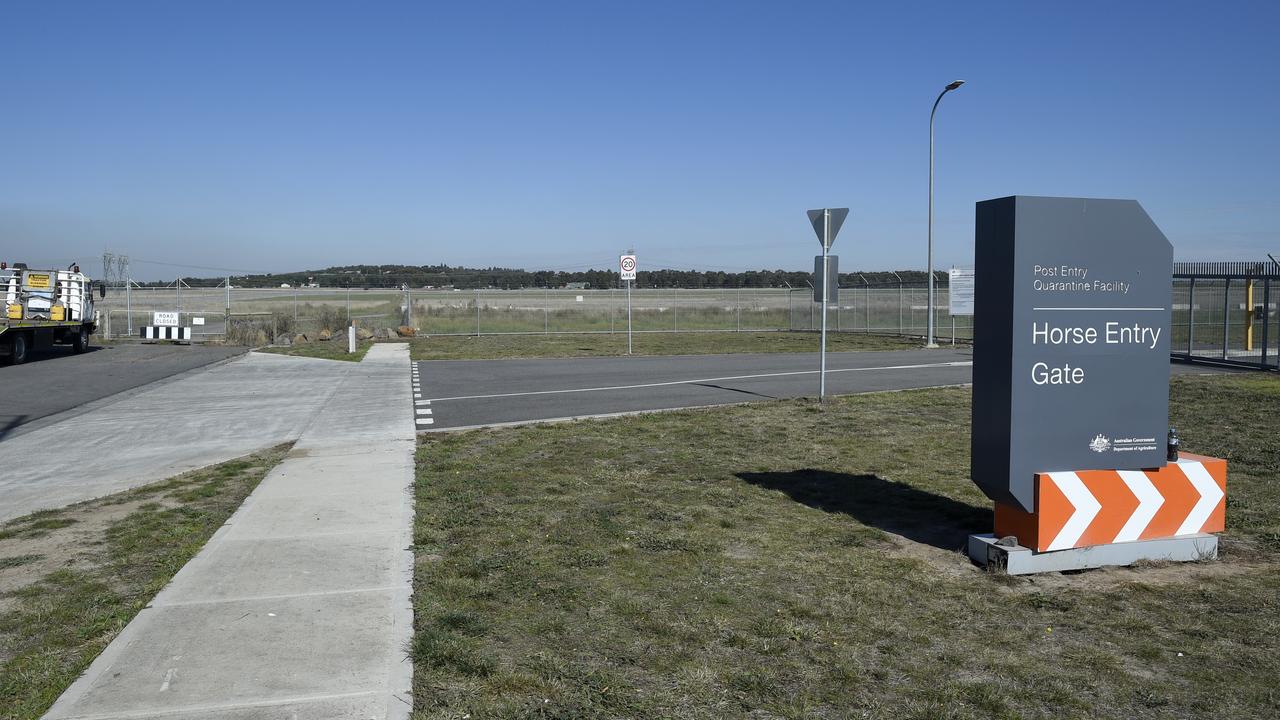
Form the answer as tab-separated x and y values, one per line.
611	315
900	328
1226	315
1266	318
226	311
739	309
546	311
1191	317
676	307
477	312
128	304
868	306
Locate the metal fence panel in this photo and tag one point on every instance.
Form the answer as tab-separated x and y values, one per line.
1221	317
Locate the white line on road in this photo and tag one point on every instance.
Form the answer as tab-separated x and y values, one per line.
424	411
964	363
630	413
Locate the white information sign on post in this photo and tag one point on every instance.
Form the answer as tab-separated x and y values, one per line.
197	321
960	291
164	319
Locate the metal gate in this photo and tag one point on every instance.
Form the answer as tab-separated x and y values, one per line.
1225	313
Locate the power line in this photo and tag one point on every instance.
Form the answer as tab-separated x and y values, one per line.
238	271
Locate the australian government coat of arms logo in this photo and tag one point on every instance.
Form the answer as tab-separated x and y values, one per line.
1100	444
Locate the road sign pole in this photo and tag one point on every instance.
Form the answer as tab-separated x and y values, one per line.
826	224
627	273
822	352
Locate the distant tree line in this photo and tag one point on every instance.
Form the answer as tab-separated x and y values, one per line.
445	276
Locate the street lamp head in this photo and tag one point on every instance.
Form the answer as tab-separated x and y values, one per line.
954	84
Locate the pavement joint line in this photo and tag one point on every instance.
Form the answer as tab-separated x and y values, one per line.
962	363
287	596
229	706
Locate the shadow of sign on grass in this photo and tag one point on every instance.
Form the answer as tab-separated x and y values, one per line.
894	507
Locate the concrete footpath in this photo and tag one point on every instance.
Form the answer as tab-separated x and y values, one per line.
209	416
298	607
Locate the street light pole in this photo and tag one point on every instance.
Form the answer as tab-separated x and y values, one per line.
950	86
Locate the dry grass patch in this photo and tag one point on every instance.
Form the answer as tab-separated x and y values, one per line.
335	349
71	579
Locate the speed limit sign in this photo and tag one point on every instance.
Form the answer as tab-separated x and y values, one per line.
628	265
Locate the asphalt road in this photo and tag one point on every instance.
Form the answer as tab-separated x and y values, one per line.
488	392
471	393
56	380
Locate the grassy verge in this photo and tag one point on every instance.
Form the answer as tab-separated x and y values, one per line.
536	346
329	350
71	579
775	560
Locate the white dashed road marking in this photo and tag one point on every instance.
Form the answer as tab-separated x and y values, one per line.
422	415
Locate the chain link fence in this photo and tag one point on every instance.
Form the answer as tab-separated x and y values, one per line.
257	316
885	309
1221	317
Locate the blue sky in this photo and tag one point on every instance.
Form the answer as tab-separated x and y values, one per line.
277	136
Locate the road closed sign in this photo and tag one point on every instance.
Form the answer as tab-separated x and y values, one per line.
1071	345
627	267
164	319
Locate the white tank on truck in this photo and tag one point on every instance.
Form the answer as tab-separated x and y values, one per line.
44	306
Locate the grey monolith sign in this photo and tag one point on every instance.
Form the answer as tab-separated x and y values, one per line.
1071	341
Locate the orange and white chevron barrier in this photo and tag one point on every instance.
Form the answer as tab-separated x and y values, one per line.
1098	507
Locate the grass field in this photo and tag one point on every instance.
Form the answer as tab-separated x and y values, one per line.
451	347
71	579
779	561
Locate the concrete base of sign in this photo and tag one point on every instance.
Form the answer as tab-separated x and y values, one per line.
1019	560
